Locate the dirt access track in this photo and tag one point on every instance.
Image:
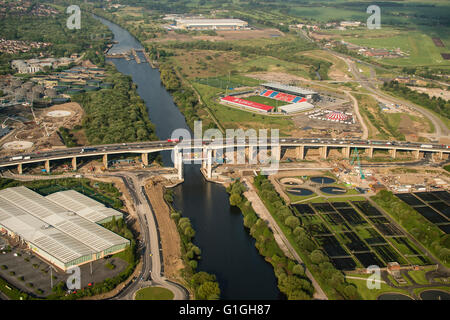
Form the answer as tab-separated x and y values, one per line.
170	239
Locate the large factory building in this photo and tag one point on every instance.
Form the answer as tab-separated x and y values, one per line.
211	24
62	230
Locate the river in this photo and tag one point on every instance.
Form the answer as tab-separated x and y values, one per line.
228	251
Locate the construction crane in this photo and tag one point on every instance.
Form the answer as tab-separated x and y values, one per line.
357	159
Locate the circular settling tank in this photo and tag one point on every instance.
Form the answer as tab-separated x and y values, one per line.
323	180
333	190
300	192
394	296
18	145
59	113
291	181
435	295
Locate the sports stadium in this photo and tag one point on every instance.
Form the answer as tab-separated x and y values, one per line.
274	98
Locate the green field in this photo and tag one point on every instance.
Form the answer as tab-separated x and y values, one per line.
154	293
266	101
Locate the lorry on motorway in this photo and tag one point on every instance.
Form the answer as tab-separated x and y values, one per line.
429	146
16	158
88	150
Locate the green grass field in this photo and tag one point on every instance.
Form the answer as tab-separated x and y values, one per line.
154	293
266	101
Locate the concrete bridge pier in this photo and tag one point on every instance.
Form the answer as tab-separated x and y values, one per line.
275	152
346	152
47	166
323	152
179	166
105	160
300	153
74	164
416	154
19	168
393	153
370	153
209	164
253	154
144	157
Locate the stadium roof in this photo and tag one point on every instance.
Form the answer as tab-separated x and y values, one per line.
83	206
291	89
68	222
48	239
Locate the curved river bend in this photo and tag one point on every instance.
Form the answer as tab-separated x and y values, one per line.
228	251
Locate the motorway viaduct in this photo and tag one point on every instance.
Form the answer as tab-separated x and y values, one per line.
244	150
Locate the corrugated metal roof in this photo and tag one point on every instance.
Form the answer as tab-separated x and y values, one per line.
45	237
82	205
87	232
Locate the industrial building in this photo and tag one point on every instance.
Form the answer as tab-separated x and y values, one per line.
211	24
57	234
84	206
301	92
296	107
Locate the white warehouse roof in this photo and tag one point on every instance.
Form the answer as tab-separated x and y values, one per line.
87	232
84	206
46	238
297	107
211	22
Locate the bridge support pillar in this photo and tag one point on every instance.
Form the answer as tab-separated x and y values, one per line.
370	153
252	154
47	166
416	154
276	153
393	153
179	164
144	157
323	152
19	168
346	152
209	163
105	161
300	153
74	164
441	155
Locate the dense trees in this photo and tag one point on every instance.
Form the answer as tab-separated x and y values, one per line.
116	115
53	29
184	97
204	284
420	228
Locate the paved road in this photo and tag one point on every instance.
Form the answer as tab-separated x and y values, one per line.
261	209
152	251
368	84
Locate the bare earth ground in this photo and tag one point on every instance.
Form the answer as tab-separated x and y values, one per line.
170	238
433	92
276	77
37	133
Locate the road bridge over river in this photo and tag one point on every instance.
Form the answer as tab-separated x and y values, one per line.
246	149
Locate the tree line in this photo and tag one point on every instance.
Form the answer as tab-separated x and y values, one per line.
115	115
205	285
291	277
